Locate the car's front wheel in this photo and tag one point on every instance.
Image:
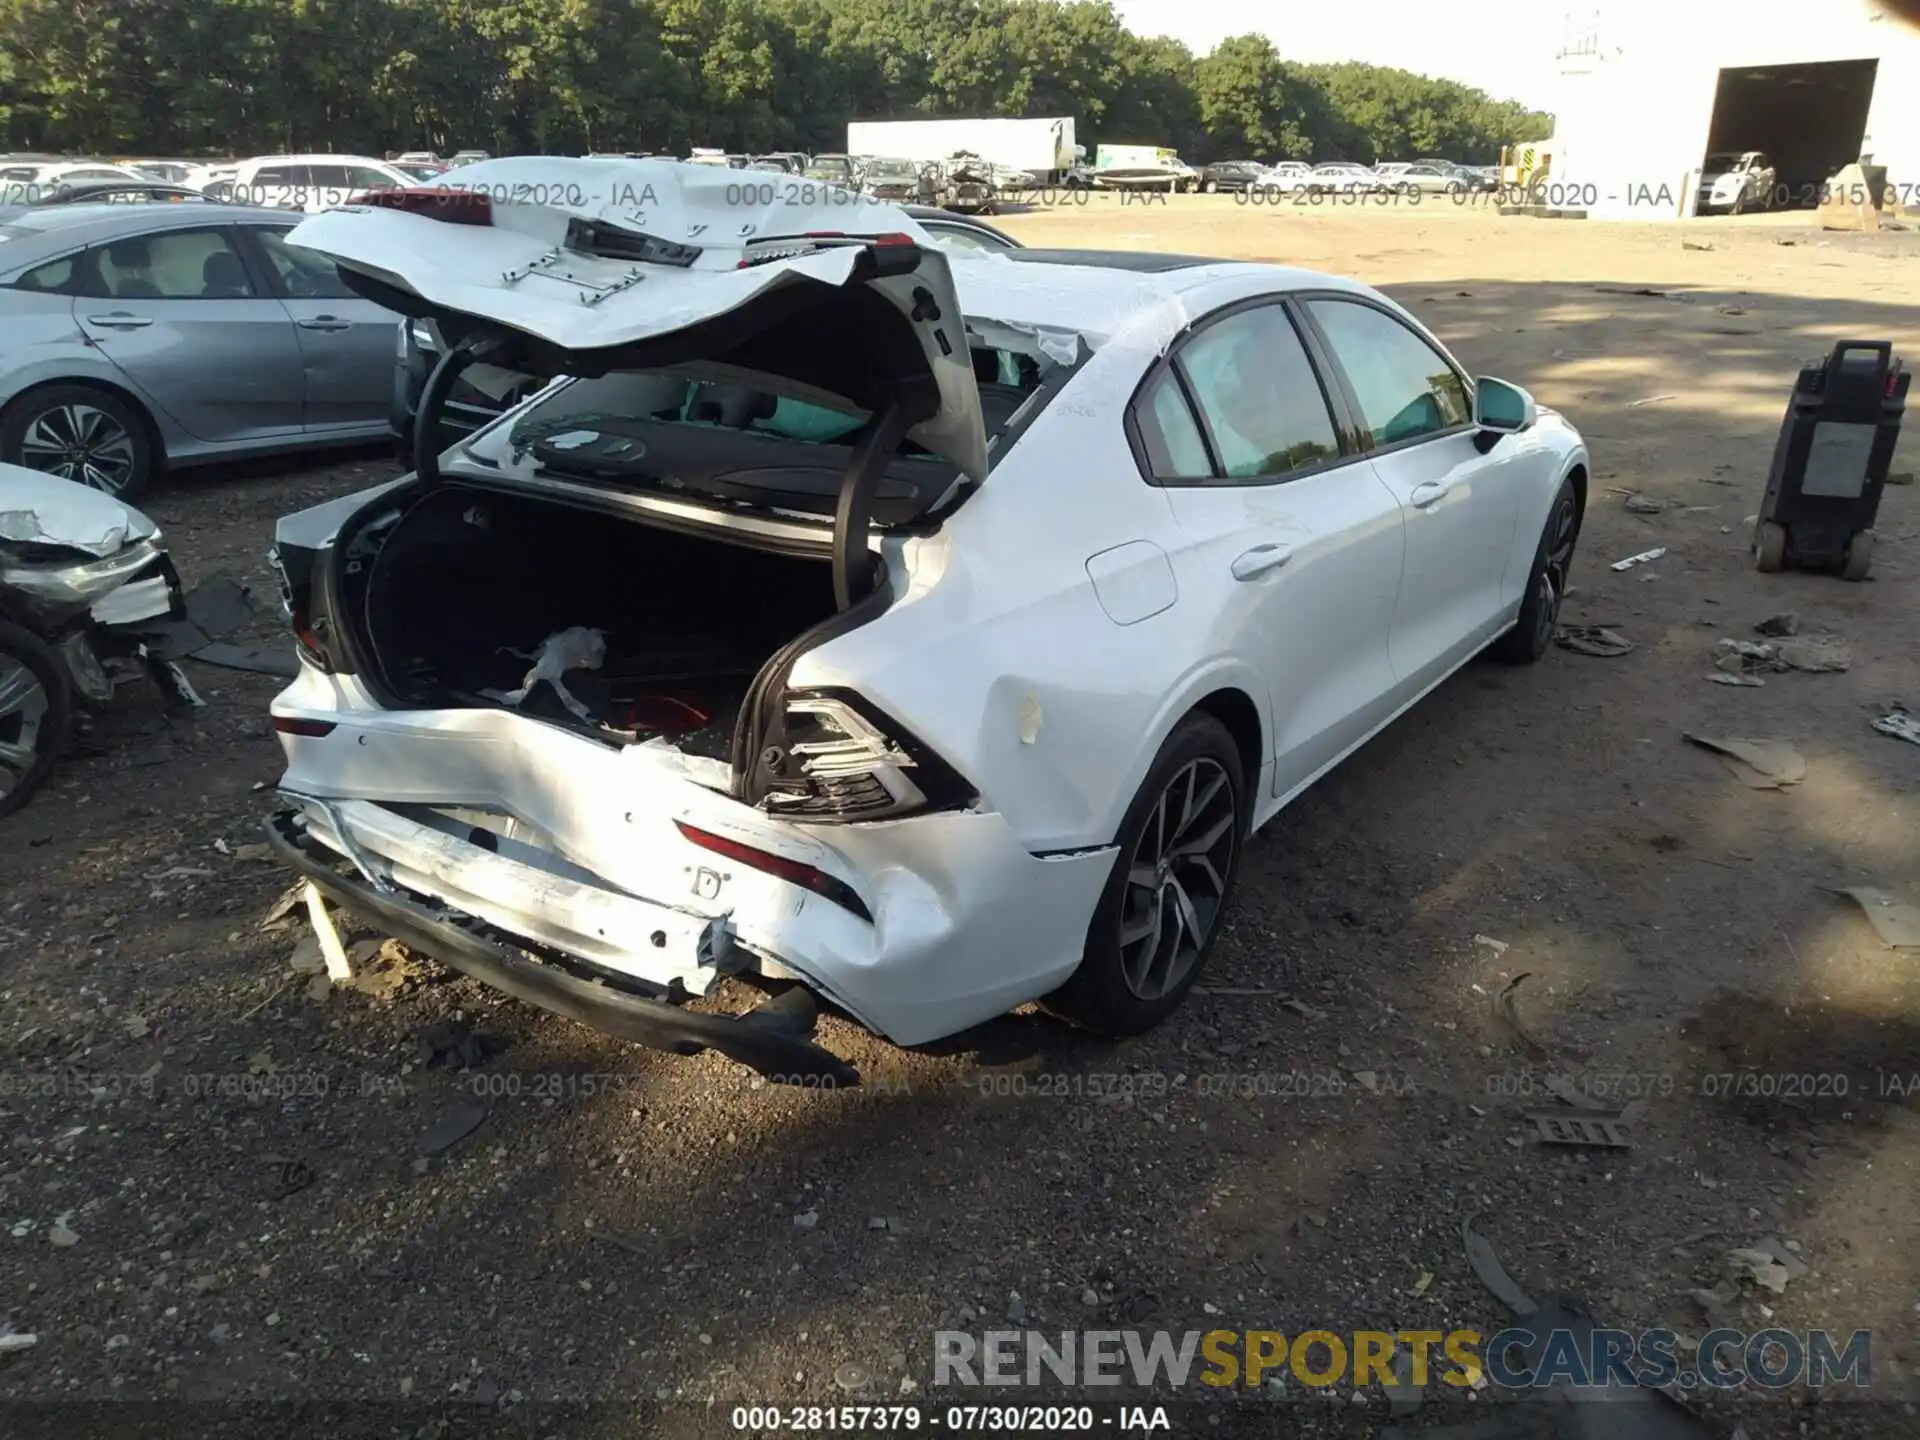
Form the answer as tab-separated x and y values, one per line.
81	434
36	709
1158	916
1532	633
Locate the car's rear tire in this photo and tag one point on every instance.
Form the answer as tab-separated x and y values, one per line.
1156	921
1532	633
36	713
80	433
1857	561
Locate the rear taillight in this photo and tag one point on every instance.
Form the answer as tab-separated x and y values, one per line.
456	207
311	649
795	872
294	725
838	760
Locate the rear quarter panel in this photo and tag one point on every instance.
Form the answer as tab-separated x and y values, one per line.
998	653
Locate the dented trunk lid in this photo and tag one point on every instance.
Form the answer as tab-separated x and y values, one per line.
581	267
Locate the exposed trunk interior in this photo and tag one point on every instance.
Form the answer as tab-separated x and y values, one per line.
471	581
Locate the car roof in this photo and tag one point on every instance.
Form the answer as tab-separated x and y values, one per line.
1095	292
311	159
1137	262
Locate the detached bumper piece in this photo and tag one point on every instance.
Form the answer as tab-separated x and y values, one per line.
774	1042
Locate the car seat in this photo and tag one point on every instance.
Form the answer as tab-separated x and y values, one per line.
222	277
735	406
127	255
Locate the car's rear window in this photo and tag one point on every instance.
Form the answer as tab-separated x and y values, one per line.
745	437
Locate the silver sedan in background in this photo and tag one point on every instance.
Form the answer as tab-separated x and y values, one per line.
135	338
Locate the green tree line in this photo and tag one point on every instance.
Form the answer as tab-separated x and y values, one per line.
237	77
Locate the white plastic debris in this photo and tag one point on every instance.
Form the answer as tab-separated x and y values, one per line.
1899	724
576	649
9	1343
1642	558
339	967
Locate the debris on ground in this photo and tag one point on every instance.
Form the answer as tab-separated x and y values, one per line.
1779	626
1760	1267
806	1220
1641	559
1816	655
1721	677
289	1176
1899	724
1646	505
1594	1131
453	1046
62	1235
12	1342
453	1127
338	966
307	958
281	911
1650	400
1303	1010
1896	922
383	968
1899	477
1498	947
1592	640
1758	764
1504	1012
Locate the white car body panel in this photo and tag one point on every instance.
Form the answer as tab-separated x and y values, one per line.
41	509
1044	641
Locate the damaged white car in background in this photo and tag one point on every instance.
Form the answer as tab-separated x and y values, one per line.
925	632
85	583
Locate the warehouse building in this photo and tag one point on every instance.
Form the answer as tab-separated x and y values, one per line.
1650	88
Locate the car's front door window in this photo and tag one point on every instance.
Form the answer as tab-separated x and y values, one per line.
304	274
1406	389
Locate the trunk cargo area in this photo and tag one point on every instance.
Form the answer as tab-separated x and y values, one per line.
471	581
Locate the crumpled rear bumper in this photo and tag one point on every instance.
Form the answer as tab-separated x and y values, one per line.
775	1043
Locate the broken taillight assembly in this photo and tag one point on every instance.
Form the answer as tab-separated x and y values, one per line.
795	872
456	207
839	760
296	725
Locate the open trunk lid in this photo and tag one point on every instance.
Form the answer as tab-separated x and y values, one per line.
581	267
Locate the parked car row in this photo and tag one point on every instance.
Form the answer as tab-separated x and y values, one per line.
1341	177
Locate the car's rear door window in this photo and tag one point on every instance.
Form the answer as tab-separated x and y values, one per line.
171	265
1258	396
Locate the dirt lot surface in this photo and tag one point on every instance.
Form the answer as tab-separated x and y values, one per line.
212	1187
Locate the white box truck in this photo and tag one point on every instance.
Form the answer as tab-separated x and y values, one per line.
1044	148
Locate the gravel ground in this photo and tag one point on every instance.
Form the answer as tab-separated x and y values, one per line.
212	1184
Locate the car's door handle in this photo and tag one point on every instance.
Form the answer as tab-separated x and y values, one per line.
1429	491
1260	560
325	322
120	320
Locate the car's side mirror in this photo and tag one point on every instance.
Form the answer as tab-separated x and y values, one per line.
1501	408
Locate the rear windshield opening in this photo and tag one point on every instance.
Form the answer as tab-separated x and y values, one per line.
747	438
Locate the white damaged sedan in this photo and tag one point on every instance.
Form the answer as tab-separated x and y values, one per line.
928	630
